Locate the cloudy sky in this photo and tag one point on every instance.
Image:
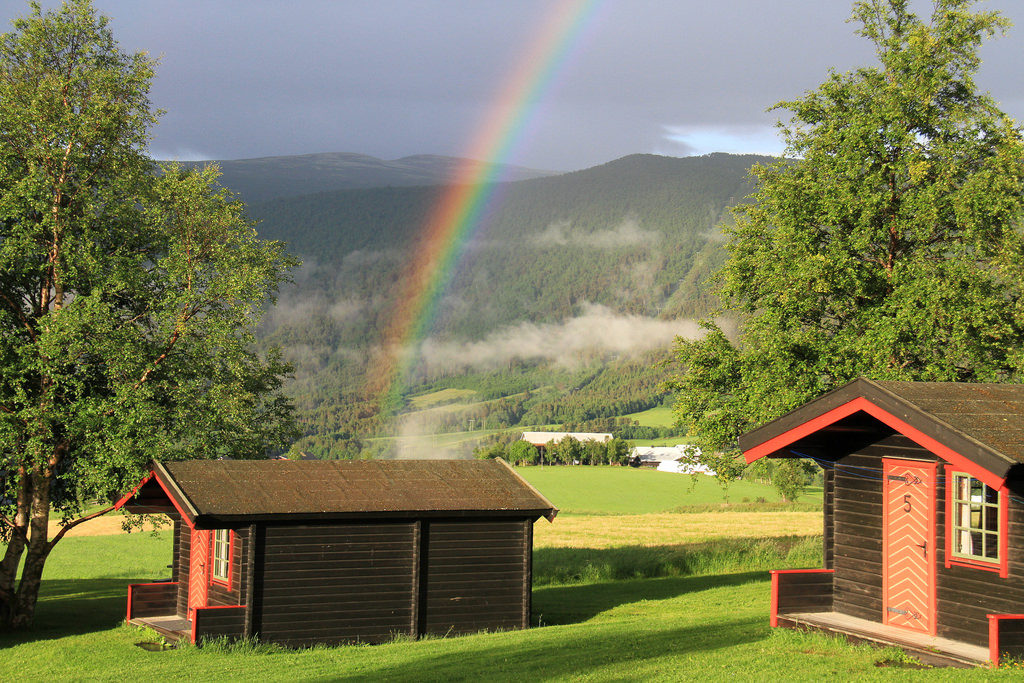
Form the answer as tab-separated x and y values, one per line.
391	78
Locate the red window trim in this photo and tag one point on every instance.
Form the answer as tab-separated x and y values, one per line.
1002	566
213	561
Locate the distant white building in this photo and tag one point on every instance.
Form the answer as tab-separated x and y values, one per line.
542	438
681	459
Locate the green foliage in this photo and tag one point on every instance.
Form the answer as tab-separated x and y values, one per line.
790	477
888	247
127	298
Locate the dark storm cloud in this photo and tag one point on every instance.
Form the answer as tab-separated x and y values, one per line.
391	78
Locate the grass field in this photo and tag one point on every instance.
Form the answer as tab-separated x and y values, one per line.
441	397
660	416
628	490
611	600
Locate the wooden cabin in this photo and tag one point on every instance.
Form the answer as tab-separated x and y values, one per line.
923	517
307	552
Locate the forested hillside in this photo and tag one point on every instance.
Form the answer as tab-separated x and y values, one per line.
562	298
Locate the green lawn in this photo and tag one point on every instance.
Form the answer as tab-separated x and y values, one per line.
660	416
694	626
628	490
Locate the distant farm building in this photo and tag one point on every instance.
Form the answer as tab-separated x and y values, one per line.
308	552
543	438
681	458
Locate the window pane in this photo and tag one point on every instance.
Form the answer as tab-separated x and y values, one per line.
991	496
977	491
992	546
977	541
991	518
975	517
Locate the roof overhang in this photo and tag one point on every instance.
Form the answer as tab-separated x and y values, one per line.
157	493
863	397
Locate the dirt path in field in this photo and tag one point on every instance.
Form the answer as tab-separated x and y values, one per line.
104	525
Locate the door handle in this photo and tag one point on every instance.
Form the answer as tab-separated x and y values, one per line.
924	547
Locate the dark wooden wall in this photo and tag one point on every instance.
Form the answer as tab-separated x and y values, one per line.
371	581
964	595
329	583
475	576
828	506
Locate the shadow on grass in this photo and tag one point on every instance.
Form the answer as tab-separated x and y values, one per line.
69	607
556	605
545	656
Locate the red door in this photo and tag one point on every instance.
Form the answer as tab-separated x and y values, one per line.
908	581
198	570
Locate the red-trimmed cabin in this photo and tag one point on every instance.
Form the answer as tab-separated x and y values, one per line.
307	552
923	516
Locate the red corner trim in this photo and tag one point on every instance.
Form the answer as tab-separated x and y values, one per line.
1004	532
129	615
773	615
861	403
993	639
993	635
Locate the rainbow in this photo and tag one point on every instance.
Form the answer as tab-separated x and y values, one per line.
457	213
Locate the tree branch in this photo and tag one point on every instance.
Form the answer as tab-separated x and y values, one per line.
68	527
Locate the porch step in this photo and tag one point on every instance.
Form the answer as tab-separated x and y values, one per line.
929	649
173	628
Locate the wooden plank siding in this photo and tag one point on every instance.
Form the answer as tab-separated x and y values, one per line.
804	592
217	622
828	518
475	577
334	582
965	595
151	599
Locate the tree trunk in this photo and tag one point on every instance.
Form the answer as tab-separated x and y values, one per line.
15	548
17	607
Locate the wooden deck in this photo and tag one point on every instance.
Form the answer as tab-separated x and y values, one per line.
929	649
172	627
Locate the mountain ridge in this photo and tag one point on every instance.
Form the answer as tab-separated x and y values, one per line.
264	178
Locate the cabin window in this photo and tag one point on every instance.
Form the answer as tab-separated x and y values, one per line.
975	519
222	555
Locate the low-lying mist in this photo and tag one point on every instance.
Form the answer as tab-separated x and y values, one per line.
599	330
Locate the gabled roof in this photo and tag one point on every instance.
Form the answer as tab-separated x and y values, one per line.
979	425
209	492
